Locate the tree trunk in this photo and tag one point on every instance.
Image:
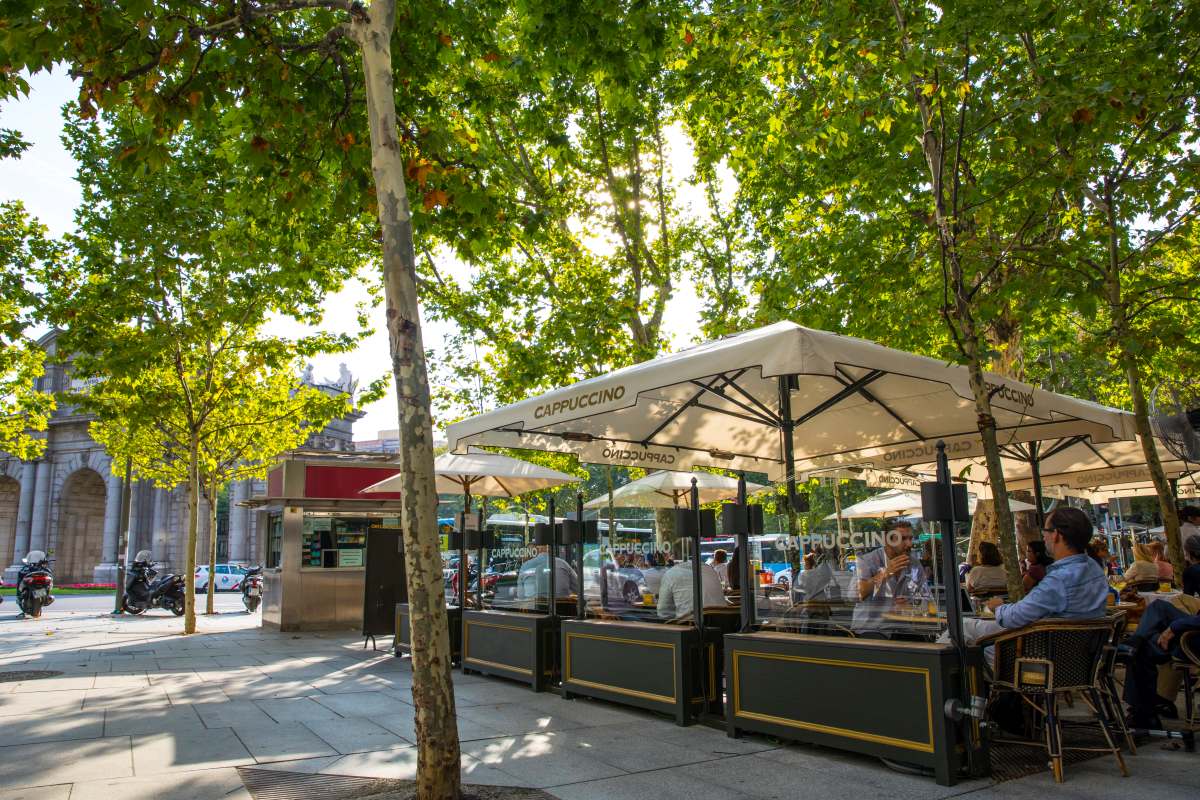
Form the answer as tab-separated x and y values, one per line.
212	546
983	527
664	529
960	315
1141	420
1137	392
189	566
1005	529
438	770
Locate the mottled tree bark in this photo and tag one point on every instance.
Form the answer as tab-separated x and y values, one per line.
438	771
189	567
212	546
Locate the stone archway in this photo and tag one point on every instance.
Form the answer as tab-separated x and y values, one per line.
10	499
79	545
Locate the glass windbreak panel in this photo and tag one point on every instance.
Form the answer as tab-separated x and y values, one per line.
503	586
274	539
880	584
623	575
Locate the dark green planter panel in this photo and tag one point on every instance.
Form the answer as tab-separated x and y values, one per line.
877	697
404	635
640	664
514	645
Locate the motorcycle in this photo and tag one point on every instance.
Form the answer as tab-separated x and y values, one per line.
143	590
34	584
252	587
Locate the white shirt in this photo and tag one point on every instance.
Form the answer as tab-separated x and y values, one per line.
675	592
722	571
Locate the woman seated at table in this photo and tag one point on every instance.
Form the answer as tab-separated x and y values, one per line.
1166	572
1143	569
988	577
1036	561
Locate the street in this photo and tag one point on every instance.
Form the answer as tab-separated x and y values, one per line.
66	606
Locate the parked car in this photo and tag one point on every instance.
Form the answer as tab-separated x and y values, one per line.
229	578
625	582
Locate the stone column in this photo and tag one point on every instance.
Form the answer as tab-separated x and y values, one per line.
238	527
24	519
39	523
158	528
135	537
106	570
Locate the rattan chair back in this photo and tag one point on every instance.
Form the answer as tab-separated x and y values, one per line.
1052	655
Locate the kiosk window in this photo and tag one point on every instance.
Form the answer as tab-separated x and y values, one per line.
328	542
274	539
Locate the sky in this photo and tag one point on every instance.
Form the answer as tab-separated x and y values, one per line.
44	179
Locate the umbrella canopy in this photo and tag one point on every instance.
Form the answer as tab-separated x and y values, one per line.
892	503
727	403
903	504
480	473
1068	464
668	489
1187	488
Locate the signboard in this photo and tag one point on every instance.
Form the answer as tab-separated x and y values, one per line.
350	558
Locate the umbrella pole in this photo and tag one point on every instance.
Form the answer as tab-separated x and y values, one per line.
747	577
462	549
479	555
552	559
580	603
612	529
698	591
1035	466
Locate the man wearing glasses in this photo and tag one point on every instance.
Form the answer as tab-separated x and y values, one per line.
1074	586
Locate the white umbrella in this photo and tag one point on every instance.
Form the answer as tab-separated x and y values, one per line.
904	504
671	489
481	473
893	502
719	404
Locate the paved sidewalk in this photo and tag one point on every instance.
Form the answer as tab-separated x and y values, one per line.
143	712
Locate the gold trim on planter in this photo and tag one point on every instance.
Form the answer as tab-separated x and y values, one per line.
866	736
661	698
466	634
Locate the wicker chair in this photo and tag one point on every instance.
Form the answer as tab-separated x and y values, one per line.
1112	708
1187	663
1049	659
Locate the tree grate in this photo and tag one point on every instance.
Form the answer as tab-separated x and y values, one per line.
270	784
28	675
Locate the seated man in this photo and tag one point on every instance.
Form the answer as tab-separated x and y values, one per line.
675	591
1154	642
533	577
1074	586
887	577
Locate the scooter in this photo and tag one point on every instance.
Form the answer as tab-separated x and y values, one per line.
252	586
34	584
143	590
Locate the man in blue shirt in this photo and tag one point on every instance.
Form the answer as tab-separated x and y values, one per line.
1074	586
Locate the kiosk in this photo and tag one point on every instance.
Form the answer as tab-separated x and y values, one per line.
317	527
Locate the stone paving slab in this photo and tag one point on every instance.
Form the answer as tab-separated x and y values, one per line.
48	763
199	785
182	751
